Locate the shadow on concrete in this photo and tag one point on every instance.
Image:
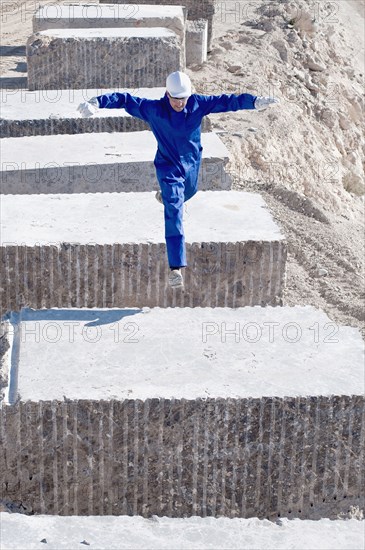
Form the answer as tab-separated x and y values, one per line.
94	317
21	67
12	50
13	83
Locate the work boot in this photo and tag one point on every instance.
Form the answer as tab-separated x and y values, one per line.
159	197
176	279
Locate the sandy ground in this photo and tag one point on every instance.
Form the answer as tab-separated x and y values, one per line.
306	156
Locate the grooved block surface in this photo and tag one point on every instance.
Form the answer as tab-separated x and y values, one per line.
102	58
108	250
265	457
102	162
196	41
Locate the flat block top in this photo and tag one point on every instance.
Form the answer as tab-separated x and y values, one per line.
95	148
92	33
42	104
156	533
184	353
107	11
107	218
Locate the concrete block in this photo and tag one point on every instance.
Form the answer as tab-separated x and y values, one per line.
203	9
87	16
196	42
105	162
108	250
102	58
247	412
48	112
126	532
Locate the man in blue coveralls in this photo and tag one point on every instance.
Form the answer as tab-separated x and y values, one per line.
175	121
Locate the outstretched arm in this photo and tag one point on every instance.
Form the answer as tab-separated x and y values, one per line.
135	106
226	102
231	102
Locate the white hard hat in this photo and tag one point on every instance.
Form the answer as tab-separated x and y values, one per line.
178	84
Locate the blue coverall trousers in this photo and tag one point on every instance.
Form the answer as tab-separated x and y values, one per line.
176	191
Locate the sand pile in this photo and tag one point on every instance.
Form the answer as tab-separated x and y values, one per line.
313	143
306	157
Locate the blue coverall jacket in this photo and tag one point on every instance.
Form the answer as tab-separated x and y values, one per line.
179	150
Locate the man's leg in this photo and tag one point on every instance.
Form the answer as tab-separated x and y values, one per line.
174	192
191	183
173	198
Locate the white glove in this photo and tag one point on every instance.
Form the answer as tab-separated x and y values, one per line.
262	103
88	108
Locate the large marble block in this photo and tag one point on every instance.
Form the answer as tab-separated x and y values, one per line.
102	58
97	162
108	250
247	412
49	112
